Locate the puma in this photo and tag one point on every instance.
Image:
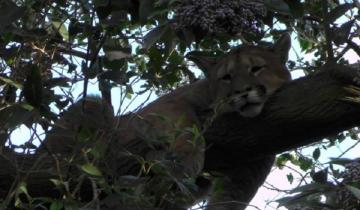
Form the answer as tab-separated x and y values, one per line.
239	81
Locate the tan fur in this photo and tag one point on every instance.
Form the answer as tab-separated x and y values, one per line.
230	87
243	88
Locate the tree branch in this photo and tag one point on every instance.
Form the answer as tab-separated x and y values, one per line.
302	112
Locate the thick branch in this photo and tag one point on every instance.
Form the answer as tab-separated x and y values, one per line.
302	112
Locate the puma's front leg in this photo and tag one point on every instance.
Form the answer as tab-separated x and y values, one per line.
235	189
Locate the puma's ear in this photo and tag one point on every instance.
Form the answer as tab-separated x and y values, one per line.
203	60
282	46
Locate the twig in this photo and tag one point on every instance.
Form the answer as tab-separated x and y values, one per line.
227	202
72	52
329	47
348	149
354	46
342	53
274	188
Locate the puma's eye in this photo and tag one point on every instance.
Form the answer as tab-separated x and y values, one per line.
226	78
256	69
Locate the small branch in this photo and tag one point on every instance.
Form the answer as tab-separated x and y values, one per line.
227	203
342	53
329	47
348	149
274	188
354	46
94	59
72	52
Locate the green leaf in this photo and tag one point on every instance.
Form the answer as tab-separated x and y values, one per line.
11	82
161	117
296	8
290	178
27	107
56	182
56	205
33	87
9	13
129	92
101	3
84	134
304	44
170	41
320	176
117	76
114	65
279	6
160	3
130	181
154	35
282	159
92	71
355	191
99	150
67	207
17	202
145	10
60	27
316	154
305	163
23	189
91	170
14	115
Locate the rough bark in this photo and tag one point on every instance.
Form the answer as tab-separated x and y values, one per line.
303	111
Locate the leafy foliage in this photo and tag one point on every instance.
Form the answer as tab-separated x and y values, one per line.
324	194
50	48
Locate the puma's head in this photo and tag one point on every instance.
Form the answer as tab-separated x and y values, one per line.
246	76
